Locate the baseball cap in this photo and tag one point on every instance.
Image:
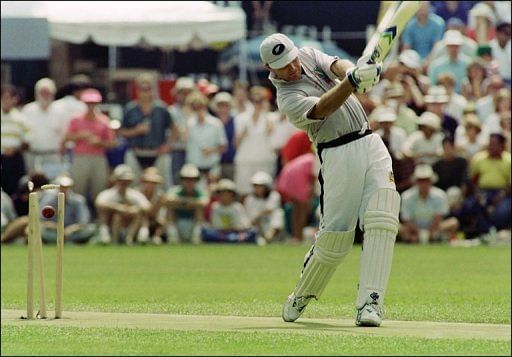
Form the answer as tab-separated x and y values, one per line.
91	96
277	50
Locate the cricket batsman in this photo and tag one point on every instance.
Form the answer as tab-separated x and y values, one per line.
315	91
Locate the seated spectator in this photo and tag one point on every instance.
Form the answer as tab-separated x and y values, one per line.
425	144
501	50
467	47
393	136
121	208
468	137
471	213
486	105
92	136
456	102
263	207
14	142
436	101
78	227
484	53
229	220
452	10
423	210
7	210
490	171
473	83
394	97
206	138
150	186
456	62
415	83
451	169
423	31
501	110
481	23
296	183
185	207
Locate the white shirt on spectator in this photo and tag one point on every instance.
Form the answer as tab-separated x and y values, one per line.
469	148
256	146
397	138
132	197
68	108
13	130
425	150
229	217
208	134
45	132
503	57
455	107
282	131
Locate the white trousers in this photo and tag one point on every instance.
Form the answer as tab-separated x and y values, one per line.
351	173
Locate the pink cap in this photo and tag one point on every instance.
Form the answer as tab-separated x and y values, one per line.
91	96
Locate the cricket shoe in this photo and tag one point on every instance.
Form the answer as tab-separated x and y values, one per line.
371	313
294	307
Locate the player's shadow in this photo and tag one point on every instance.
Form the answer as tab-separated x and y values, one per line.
308	325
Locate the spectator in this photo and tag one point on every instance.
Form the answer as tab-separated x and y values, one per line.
492	67
490	171
185	207
467	47
468	137
121	207
241	102
501	50
414	83
456	102
425	144
229	221
471	213
45	131
394	97
71	106
92	136
505	130
298	144
501	110
423	31
13	140
481	23
451	169
180	114
281	134
221	106
150	131
263	207
296	184
150	186
423	210
452	10
455	63
7	211
436	101
77	218
253	142
393	136
206	138
473	83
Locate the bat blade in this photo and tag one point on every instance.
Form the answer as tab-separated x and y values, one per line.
392	31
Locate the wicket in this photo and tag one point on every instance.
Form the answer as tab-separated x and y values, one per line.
35	246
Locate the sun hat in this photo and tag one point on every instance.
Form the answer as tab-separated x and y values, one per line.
184	83
383	114
410	58
189	171
436	94
262	178
151	174
277	50
424	171
226	185
394	90
453	37
123	172
221	97
430	119
91	96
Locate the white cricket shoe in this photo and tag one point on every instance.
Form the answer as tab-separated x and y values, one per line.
294	307
104	235
371	313
143	235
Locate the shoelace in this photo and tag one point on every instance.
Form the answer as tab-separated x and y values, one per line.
301	302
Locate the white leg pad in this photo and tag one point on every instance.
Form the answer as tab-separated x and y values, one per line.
326	254
380	230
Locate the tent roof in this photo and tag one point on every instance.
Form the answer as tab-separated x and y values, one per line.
168	24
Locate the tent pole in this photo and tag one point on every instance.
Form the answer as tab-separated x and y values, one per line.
112	58
242	60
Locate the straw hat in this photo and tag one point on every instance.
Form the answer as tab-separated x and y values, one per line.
383	114
436	94
394	90
430	119
123	172
189	171
151	174
226	185
424	171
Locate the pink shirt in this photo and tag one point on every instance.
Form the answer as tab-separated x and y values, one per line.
296	179
98	127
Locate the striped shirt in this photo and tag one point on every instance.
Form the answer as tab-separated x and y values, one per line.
13	130
296	98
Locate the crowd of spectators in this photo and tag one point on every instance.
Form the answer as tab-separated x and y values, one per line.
226	166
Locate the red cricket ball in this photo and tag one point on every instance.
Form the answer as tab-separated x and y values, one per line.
48	211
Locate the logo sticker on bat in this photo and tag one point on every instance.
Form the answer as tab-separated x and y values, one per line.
388	34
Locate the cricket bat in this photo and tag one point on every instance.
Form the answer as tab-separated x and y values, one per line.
389	29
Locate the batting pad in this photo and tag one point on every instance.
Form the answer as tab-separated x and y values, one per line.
329	250
380	229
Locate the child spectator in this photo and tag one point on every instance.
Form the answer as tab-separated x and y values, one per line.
150	186
424	145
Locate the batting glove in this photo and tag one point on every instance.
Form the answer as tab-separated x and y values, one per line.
364	77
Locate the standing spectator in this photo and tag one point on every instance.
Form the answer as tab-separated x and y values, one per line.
77	218
452	9
241	102
185	207
121	207
150	183
425	144
414	82
298	144
473	83
221	106
296	183
263	207
501	50
490	171
229	220
481	22
180	114
423	31
468	137
456	102
423	210
436	101
7	211
467	47
392	136
451	169
71	106
150	131
456	62
206	138
92	136
253	137
45	131
281	134
13	140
